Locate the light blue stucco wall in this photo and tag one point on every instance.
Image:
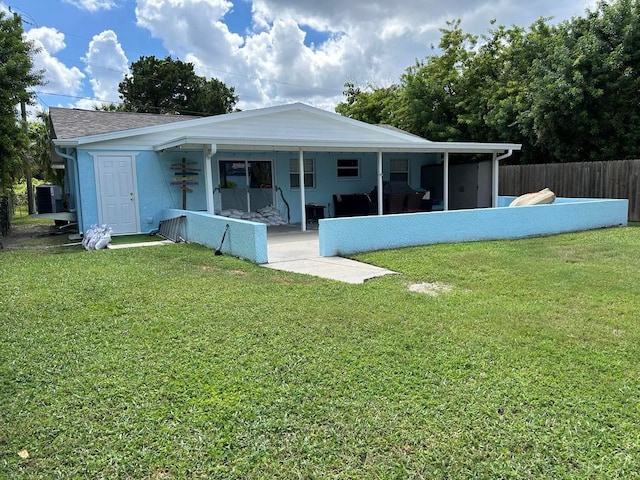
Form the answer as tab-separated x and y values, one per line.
244	239
154	192
343	236
72	187
87	190
155	172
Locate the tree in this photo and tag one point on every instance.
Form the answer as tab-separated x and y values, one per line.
567	92
109	107
372	105
16	77
586	106
171	86
39	151
489	87
505	91
433	89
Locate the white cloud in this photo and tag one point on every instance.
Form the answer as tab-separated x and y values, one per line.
107	65
58	77
194	31
365	41
268	66
48	38
93	5
188	24
272	60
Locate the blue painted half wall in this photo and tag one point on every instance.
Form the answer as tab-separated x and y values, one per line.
244	239
345	236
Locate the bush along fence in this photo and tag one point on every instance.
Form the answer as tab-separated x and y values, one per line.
611	179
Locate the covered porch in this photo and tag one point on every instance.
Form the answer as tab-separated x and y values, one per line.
305	204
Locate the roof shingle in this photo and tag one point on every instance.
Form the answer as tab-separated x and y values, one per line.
73	123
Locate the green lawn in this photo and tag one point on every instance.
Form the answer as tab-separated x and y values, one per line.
169	362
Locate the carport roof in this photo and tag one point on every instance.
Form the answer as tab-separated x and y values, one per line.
291	127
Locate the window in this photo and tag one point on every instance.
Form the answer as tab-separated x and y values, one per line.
348	168
309	173
399	170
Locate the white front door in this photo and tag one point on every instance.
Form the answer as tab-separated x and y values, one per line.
117	193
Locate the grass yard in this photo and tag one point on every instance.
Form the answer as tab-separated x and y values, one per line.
169	362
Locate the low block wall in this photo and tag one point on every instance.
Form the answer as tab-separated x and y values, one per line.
344	236
244	239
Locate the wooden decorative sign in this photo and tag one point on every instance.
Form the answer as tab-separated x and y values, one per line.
186	175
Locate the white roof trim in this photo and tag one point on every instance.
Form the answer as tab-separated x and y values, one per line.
184	142
271	144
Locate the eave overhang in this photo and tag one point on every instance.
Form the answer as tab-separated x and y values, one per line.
287	145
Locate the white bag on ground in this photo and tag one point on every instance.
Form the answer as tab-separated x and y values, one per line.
97	238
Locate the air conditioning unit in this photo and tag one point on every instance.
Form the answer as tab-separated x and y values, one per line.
49	198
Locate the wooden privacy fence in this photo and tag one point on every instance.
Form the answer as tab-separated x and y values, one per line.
612	179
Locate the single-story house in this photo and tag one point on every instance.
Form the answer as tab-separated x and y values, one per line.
126	169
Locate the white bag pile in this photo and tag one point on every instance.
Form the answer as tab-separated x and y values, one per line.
97	238
267	215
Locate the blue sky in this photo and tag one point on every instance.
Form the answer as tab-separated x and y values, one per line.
271	51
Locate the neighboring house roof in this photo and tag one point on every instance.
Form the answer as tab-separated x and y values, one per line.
286	128
74	123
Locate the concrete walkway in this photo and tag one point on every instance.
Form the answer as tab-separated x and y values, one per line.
139	244
292	250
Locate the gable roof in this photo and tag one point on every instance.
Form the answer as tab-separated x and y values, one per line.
288	128
73	123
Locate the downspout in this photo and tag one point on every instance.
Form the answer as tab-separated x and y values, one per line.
303	202
506	155
76	184
379	189
208	176
496	175
445	186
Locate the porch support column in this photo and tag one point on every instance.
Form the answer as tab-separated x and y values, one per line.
445	186
379	189
208	177
495	169
303	200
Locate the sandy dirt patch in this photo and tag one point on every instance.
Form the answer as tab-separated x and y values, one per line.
430	288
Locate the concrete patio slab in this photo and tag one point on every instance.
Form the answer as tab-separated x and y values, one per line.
295	251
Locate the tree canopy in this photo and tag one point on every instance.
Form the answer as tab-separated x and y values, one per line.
171	86
567	92
16	77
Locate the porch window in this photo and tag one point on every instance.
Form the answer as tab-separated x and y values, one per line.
348	168
309	173
399	170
